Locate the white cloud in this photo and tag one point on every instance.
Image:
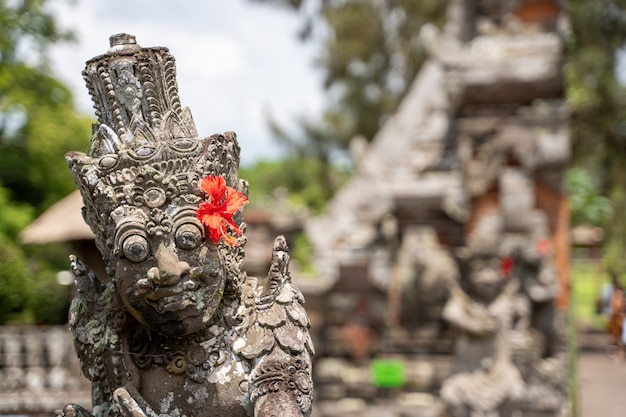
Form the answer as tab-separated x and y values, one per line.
211	56
235	60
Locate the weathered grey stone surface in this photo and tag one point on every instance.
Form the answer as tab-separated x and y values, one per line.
176	328
38	370
451	241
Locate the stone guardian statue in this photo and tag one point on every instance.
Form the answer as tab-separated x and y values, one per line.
176	328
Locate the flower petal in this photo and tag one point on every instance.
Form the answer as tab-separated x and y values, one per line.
235	200
214	225
215	187
217	213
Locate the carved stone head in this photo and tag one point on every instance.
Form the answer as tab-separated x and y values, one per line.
486	263
141	187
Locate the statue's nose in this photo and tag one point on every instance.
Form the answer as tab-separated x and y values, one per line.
170	269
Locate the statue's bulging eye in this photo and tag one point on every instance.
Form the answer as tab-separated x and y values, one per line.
136	248
188	236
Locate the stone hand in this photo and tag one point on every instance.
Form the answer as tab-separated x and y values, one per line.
132	405
72	410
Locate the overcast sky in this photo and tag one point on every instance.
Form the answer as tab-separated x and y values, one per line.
236	61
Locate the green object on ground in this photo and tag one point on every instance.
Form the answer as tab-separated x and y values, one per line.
388	373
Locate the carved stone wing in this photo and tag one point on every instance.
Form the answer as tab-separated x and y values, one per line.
279	318
277	340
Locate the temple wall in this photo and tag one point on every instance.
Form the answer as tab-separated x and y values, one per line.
39	370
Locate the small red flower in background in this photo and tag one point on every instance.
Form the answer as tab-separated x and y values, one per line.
543	247
506	267
217	213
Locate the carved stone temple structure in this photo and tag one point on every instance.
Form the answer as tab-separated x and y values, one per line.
39	371
447	253
175	328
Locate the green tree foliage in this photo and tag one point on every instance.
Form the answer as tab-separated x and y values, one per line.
587	206
14	216
47	301
295	174
38	125
371	55
14	283
598	102
370	52
29	291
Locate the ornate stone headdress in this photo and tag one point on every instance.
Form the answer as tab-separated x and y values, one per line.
145	152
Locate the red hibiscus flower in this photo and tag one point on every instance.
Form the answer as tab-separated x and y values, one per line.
217	213
506	267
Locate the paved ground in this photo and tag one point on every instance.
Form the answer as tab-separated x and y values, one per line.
601	378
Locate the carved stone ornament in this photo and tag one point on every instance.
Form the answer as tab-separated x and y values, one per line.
176	328
505	352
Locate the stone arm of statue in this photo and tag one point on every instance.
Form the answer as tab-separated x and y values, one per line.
467	315
514	304
86	319
131	403
523	311
279	344
277	404
91	313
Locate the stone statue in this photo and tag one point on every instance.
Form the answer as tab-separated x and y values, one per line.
489	311
510	350
176	328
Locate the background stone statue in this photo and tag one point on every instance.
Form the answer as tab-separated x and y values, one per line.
508	354
488	310
176	328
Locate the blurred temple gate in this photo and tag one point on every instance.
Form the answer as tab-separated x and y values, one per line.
470	169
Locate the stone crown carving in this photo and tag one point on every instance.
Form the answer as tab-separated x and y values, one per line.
144	150
135	95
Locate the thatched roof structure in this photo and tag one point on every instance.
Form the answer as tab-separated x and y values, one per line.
62	222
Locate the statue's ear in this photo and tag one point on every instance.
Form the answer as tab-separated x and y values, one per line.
77	159
72	156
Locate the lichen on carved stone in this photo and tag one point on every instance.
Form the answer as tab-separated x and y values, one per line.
176	328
